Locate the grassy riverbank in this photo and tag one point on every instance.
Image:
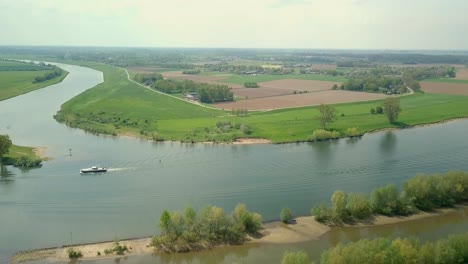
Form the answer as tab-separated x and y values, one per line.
17	79
20	152
120	107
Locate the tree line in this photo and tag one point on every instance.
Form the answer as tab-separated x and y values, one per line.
48	76
207	93
453	249
422	192
208	227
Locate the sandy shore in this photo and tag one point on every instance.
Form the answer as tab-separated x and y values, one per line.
304	229
40	152
248	141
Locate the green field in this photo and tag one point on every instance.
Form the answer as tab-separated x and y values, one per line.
17	152
17	82
121	107
241	79
8	65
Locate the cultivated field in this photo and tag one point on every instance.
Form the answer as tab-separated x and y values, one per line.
296	100
462	74
283	87
299	85
445	88
178	75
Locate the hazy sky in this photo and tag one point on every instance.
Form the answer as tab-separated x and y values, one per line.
334	24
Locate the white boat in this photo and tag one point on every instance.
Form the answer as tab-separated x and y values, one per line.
93	169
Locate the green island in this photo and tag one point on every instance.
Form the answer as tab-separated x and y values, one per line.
22	77
19	156
121	107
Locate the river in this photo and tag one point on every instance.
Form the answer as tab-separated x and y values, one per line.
55	205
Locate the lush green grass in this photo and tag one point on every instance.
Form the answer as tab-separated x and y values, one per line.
17	152
446	80
7	65
241	79
119	106
14	83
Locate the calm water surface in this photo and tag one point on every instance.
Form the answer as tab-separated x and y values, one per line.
41	207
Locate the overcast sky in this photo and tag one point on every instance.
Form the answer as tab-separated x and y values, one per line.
332	24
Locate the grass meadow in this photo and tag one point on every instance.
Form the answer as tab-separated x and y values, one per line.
120	107
14	82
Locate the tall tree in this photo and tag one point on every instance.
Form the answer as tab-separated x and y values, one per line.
5	144
327	115
392	108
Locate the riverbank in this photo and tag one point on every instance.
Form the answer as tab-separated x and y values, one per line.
17	152
303	229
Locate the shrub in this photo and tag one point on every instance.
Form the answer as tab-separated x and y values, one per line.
245	129
353	132
320	134
74	254
286	215
251	85
299	257
379	110
321	213
372	110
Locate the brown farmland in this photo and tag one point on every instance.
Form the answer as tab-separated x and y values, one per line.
462	74
445	88
297	100
178	75
299	85
283	87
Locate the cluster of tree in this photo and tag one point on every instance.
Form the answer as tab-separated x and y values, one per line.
173	86
27	162
191	72
55	73
248	69
147	79
207	93
421	73
251	85
209	226
329	72
376	83
5	144
454	249
212	93
422	192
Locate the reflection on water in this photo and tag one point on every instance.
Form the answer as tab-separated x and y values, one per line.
388	144
5	174
324	153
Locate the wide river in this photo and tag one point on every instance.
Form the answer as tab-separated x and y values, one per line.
55	205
